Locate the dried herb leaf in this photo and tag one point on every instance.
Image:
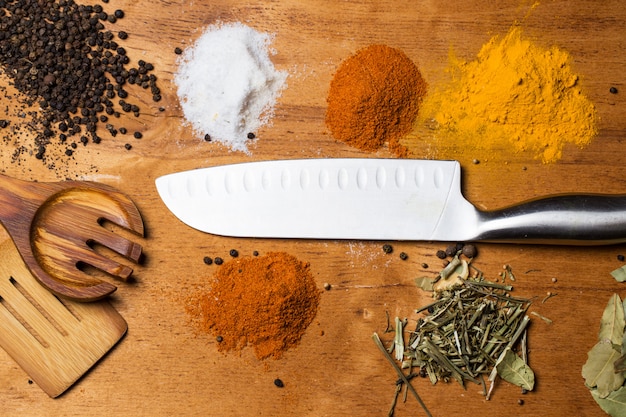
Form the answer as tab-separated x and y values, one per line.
598	370
513	369
612	323
614	404
425	283
619	274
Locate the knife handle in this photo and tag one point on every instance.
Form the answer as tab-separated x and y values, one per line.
564	219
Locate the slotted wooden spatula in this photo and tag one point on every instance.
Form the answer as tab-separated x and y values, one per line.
54	342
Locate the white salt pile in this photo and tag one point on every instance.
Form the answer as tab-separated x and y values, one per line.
227	85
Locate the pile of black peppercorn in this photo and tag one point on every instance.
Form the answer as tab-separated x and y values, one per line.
61	57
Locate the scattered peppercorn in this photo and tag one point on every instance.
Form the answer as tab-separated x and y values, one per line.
122	35
219	339
128	146
178	51
234	253
441	254
613	90
620	258
208	260
425	265
404	256
327	286
4	123
387	248
137	135
520	401
255	253
470	251
72	69
451	250
207	137
279	383
218	261
251	135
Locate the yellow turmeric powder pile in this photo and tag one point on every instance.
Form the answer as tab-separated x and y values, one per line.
514	97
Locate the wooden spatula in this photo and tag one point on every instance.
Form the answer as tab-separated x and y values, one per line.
54	342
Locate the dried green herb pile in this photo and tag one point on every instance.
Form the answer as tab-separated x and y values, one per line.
60	55
473	329
605	369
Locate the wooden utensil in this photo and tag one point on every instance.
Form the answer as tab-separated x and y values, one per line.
56	225
54	342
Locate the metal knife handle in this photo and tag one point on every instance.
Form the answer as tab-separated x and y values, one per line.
571	219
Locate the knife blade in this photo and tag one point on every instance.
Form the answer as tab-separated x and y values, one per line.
376	199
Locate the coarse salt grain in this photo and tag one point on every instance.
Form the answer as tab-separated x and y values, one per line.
227	85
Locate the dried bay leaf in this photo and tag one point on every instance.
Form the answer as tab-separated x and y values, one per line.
513	369
598	370
612	323
614	404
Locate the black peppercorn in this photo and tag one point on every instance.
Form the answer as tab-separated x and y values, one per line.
279	383
234	253
470	251
441	254
218	261
137	135
207	137
219	339
404	256
74	35
251	135
207	260
613	90
128	146
178	51
451	250
620	258
387	248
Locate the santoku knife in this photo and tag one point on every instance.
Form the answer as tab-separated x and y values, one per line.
376	199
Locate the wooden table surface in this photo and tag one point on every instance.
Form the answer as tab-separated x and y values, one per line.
162	367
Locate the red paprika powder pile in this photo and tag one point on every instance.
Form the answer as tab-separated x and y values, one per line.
266	302
374	98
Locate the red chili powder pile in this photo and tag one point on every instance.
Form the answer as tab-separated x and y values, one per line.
266	302
374	98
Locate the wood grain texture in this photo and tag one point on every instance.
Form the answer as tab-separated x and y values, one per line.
55	342
164	368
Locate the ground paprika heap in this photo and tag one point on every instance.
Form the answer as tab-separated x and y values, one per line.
374	98
266	302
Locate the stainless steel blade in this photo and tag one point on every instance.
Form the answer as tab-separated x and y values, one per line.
376	199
